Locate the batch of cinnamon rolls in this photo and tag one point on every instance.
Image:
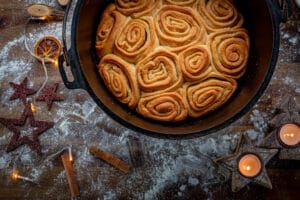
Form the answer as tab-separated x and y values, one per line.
172	59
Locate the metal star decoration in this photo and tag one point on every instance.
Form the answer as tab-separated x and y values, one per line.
17	140
245	146
21	91
48	94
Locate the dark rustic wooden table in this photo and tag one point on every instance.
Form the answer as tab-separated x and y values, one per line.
172	169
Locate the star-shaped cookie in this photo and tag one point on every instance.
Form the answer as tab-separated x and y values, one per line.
286	153
21	91
38	128
231	162
48	94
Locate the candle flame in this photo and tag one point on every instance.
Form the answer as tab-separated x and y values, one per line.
32	107
70	157
248	167
289	135
55	62
70	154
15	175
43	18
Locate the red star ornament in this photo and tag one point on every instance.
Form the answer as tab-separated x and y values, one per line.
16	140
21	91
48	94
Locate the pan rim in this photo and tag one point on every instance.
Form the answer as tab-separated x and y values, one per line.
244	109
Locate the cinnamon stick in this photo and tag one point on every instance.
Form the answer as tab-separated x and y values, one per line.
109	158
71	176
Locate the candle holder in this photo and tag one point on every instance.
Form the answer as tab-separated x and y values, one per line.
253	158
289	148
287	111
250	165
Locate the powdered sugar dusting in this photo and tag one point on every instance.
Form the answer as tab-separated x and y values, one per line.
258	120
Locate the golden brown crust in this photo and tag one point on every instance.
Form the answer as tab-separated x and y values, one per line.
230	51
219	14
159	72
136	40
195	63
179	27
110	25
120	78
170	59
181	2
208	95
137	8
168	107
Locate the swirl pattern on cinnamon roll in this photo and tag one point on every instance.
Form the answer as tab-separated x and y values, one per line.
168	107
208	95
181	2
159	72
172	59
120	78
136	39
108	28
230	51
137	8
195	63
219	14
179	27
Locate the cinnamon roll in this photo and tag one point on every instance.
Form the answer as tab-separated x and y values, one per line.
159	72
195	63
219	14
181	2
137	8
179	27
136	39
120	78
208	95
168	107
230	51
172	59
110	25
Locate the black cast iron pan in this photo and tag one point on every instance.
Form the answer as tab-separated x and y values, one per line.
262	19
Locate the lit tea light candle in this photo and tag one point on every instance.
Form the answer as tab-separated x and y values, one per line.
16	176
249	165
289	134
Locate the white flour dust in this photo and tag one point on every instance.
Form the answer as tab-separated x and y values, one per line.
79	123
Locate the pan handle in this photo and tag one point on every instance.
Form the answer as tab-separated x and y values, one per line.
283	9
66	60
75	84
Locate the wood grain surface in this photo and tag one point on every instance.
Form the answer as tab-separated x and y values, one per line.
284	174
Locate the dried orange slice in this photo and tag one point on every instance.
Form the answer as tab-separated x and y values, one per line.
48	48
